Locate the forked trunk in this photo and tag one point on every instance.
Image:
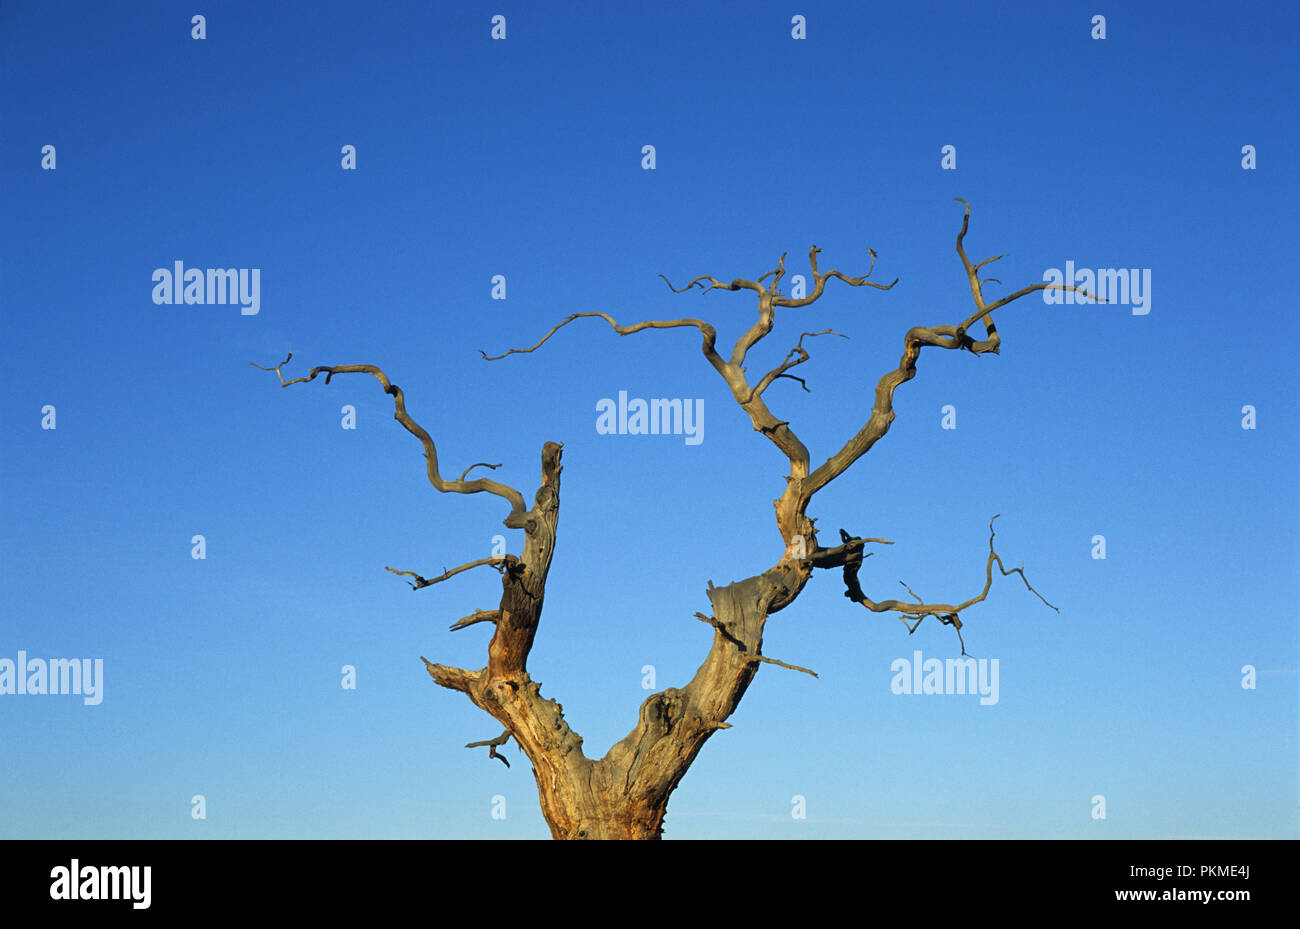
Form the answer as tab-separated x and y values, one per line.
625	794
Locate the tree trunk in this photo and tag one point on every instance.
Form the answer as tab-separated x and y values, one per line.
625	794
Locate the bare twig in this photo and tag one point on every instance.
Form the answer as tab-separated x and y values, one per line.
482	485
705	329
820	278
740	646
499	561
792	667
946	613
714	284
716	624
478	616
479	464
918	337
492	745
796	356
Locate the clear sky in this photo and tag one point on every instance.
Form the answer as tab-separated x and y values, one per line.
523	158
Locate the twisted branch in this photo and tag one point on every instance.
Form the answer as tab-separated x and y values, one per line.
820	278
462	486
498	561
850	556
492	745
787	364
918	337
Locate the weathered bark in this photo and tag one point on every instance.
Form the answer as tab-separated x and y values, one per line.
625	794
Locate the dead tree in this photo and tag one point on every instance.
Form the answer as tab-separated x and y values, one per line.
625	794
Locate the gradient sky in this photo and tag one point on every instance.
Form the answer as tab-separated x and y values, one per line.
523	158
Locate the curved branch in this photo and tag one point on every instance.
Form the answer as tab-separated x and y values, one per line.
499	561
492	745
714	284
835	557
776	430
706	331
820	279
776	274
977	289
918	337
478	464
481	485
948	614
787	364
503	688
767	303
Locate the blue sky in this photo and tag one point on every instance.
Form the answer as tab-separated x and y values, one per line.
523	158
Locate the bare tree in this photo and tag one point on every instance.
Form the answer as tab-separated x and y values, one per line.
625	793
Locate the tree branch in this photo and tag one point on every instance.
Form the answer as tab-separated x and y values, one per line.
721	627
776	430
714	284
851	547
450	677
492	745
768	301
482	485
478	616
850	556
479	464
977	293
499	561
503	689
787	364
707	331
792	667
820	279
918	337
733	370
